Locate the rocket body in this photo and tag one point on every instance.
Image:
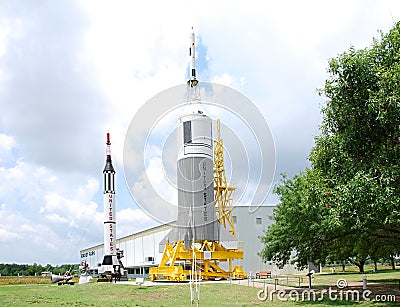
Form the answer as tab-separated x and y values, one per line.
196	220
109	204
109	224
110	263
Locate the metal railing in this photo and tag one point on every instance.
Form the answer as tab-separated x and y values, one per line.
276	280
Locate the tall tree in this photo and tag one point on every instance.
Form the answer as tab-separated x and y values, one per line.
349	201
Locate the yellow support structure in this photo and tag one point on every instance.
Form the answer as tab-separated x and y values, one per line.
207	255
207	264
222	190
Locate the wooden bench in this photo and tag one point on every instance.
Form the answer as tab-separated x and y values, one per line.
264	274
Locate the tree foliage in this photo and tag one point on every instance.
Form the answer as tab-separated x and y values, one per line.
347	205
34	269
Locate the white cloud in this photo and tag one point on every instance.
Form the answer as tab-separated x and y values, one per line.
55	218
8	235
158	179
43	211
160	202
6	142
225	79
130	221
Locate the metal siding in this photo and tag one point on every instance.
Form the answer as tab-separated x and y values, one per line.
248	231
138	251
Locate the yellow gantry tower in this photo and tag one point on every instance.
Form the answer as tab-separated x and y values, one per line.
222	191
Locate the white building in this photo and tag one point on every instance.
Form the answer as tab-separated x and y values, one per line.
141	250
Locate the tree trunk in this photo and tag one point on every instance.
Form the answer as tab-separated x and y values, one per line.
343	267
392	261
361	266
375	266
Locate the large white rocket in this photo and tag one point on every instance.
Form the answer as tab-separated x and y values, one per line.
197	220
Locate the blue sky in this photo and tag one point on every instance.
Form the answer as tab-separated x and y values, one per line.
72	70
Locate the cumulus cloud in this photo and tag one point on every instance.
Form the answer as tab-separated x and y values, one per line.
43	215
6	142
52	99
225	79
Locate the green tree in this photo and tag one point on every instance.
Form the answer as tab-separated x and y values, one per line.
30	270
348	203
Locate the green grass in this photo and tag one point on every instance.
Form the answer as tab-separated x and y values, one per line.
211	294
109	294
382	277
368	268
326	279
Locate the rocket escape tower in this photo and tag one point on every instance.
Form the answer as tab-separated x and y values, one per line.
203	243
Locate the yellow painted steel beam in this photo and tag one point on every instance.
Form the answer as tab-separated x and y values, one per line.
222	190
221	256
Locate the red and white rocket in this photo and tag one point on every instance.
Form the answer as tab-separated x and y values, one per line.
110	261
109	203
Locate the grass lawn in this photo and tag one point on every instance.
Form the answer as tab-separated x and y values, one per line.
110	294
388	277
211	294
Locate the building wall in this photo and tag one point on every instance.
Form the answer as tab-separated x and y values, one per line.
139	249
250	224
142	248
